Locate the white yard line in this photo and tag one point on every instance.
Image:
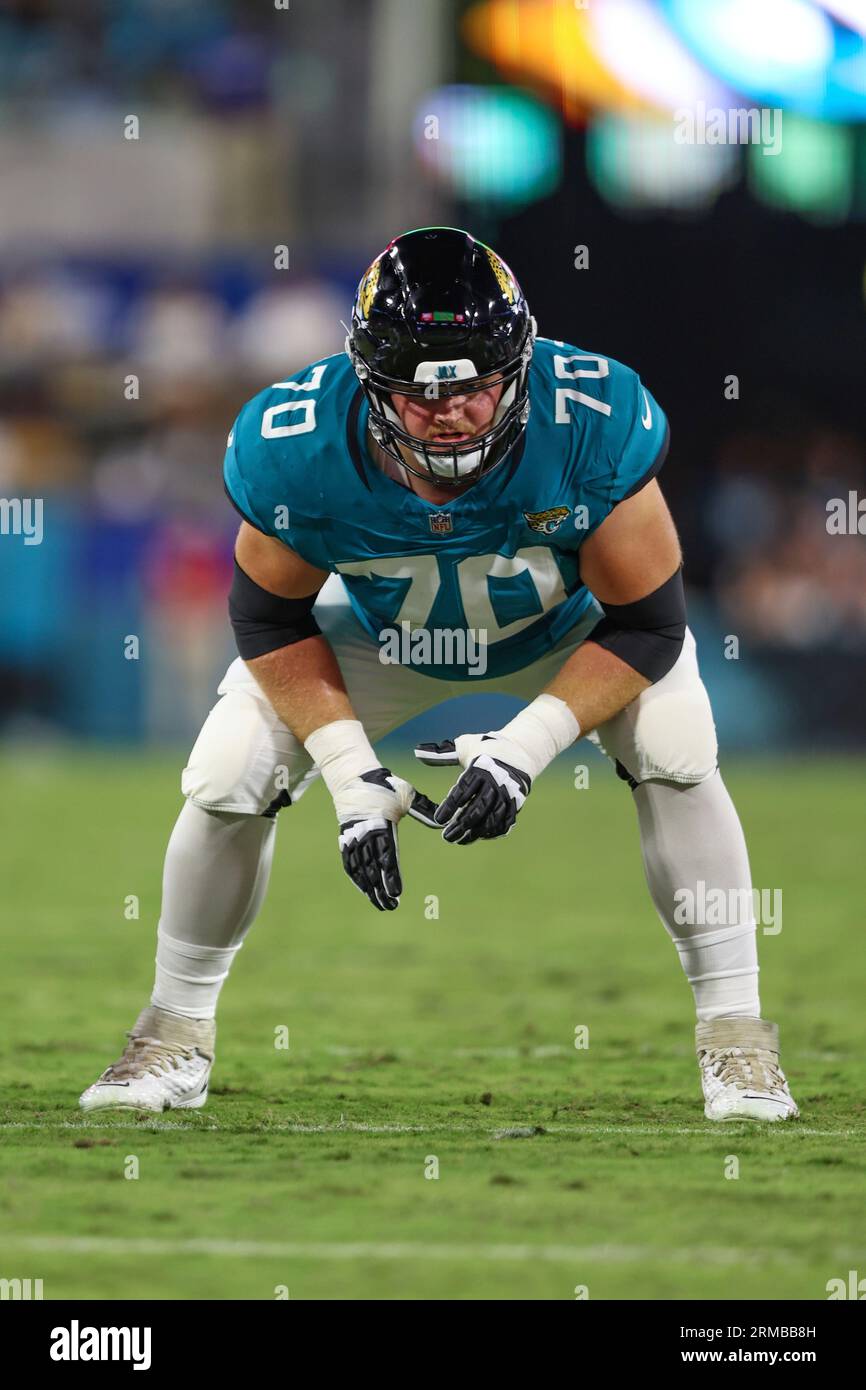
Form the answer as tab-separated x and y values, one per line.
576	1255
538	1052
481	1131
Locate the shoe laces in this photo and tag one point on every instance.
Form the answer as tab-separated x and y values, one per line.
143	1054
754	1068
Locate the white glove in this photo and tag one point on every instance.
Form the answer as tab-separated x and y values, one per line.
369	801
499	769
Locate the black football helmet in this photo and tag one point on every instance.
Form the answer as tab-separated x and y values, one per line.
439	313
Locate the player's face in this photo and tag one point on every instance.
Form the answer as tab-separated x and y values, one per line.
449	418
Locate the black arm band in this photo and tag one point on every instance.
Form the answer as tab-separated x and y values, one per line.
264	622
647	635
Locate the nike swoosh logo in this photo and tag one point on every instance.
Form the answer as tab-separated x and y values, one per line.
646	420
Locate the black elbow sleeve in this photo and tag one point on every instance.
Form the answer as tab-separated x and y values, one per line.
263	622
647	635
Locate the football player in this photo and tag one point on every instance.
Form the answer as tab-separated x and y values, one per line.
451	473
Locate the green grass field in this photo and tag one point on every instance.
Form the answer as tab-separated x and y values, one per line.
414	1038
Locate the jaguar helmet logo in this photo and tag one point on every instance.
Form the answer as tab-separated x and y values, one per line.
368	288
504	278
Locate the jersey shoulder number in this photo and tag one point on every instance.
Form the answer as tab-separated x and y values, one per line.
617	431
276	449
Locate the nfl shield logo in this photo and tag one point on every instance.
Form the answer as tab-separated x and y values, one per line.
440	523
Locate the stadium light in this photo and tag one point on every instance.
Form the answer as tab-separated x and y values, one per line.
492	144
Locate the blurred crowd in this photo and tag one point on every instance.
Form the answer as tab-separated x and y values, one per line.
215	55
115	402
785	575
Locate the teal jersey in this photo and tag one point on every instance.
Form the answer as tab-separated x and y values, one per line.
498	565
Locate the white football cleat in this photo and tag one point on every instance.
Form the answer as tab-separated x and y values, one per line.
164	1066
740	1071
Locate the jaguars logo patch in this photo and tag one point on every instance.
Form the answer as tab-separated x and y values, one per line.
504	278
368	288
547	522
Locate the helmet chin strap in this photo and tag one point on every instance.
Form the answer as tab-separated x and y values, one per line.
459	466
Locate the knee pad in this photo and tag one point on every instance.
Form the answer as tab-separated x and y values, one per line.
675	738
245	760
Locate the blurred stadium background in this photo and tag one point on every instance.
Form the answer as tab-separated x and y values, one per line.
150	285
325	127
